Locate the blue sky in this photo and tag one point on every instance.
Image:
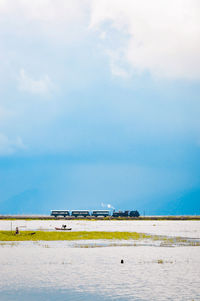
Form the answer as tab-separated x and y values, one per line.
99	103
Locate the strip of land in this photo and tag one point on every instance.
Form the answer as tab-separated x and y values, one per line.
91	218
60	235
8	236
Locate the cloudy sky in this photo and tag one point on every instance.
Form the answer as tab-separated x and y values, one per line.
100	104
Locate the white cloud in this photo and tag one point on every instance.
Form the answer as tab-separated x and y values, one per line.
159	36
42	10
46	18
162	37
10	146
37	29
41	86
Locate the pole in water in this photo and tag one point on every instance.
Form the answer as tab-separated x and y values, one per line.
122	260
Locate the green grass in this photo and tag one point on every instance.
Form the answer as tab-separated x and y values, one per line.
82	235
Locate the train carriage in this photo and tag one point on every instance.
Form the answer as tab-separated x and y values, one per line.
103	213
57	213
79	213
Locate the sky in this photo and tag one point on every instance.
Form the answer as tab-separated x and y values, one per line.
100	106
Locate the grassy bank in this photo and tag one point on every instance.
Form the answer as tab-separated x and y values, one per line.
82	235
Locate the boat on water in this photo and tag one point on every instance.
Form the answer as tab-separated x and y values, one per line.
63	228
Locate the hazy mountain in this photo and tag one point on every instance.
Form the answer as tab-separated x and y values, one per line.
186	204
25	202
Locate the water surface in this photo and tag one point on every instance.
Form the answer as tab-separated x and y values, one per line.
69	271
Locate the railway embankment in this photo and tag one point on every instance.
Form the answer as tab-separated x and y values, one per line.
91	218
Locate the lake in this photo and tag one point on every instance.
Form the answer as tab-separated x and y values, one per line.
91	270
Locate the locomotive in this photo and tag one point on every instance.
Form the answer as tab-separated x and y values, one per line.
133	213
95	213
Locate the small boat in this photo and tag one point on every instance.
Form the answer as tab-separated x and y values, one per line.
65	229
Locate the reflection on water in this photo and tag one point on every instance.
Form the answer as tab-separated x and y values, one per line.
49	295
31	272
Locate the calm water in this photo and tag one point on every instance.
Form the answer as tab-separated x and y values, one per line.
49	295
65	271
171	228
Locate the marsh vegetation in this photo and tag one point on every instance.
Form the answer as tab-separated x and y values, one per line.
163	241
79	235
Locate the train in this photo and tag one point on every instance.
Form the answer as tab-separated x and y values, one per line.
94	213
